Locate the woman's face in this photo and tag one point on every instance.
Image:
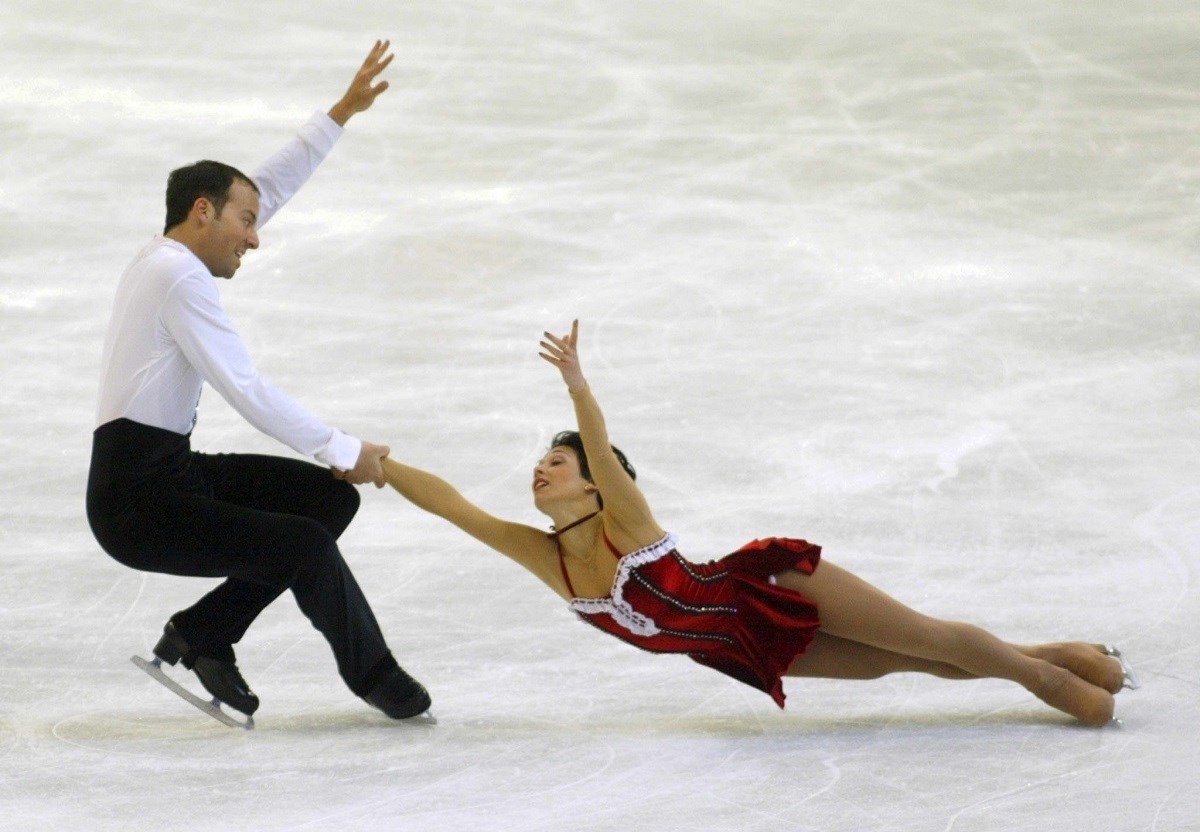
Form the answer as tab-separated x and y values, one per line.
557	477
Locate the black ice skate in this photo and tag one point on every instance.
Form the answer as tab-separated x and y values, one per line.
400	696
219	676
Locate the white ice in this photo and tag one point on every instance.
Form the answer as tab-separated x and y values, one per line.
917	281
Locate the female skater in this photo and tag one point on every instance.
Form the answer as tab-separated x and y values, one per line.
765	611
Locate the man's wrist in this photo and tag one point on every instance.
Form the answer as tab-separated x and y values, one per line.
341	113
341	451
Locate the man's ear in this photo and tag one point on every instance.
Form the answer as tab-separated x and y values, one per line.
203	210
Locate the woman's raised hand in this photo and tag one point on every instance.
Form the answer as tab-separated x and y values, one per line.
561	352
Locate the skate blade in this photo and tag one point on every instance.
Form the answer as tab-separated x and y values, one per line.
212	708
1131	681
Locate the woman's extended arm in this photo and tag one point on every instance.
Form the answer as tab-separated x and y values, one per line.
526	545
624	503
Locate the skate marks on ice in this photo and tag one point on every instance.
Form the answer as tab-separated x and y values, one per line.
211	707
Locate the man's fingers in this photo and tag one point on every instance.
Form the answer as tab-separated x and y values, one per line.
369	72
374	63
378	49
384	64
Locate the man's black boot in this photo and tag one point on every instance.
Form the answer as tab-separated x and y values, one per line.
218	673
400	696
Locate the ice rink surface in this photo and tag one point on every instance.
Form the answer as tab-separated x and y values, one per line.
917	281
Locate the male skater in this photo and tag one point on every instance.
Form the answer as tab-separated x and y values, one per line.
264	523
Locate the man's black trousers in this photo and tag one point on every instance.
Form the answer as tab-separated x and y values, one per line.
264	523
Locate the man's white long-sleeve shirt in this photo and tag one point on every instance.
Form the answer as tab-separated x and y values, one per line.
168	332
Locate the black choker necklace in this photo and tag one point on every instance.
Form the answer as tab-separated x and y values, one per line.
556	532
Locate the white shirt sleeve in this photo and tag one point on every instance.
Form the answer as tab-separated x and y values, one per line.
291	166
194	318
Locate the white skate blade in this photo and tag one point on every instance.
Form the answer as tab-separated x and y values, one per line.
212	708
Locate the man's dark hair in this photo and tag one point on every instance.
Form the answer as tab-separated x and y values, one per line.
571	439
205	178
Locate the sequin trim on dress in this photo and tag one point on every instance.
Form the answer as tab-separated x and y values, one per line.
616	605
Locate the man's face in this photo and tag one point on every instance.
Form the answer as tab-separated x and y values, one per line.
229	234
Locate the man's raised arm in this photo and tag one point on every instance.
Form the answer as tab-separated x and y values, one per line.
280	176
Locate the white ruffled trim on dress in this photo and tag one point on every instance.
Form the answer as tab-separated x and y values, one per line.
616	605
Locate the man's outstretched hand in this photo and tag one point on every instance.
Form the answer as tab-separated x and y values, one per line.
363	89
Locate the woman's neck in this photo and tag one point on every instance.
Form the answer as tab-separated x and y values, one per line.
561	528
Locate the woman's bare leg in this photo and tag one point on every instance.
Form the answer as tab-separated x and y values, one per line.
830	657
852	609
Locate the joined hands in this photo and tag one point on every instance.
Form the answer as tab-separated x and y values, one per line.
369	467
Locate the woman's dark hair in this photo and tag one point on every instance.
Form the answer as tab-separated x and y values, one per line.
571	439
205	178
